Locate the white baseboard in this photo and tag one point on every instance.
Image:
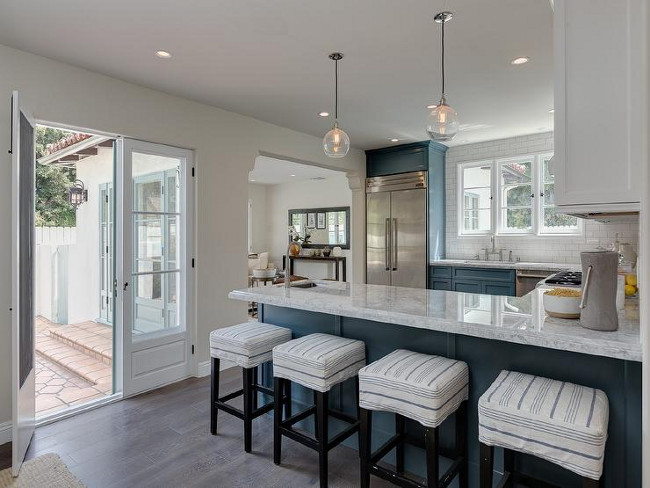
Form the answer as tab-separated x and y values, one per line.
205	368
5	432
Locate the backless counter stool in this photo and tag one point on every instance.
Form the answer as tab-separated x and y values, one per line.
563	423
248	345
318	362
423	388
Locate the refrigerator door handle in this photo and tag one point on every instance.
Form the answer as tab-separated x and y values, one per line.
387	236
393	245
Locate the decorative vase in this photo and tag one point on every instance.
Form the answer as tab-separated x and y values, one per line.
326	251
294	249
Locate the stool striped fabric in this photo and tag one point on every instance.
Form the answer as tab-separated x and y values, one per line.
249	344
319	361
563	423
421	387
418	386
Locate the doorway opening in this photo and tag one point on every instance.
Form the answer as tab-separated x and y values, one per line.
74	269
310	201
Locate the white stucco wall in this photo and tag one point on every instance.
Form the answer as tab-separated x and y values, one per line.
225	145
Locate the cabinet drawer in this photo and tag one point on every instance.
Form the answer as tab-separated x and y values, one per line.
507	289
436	284
440	272
468	286
485	274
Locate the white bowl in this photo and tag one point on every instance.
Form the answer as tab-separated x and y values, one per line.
264	272
562	307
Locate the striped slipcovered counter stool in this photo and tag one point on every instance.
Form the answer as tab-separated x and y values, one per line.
248	345
318	362
423	388
563	423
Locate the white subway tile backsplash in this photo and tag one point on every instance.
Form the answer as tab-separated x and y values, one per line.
540	249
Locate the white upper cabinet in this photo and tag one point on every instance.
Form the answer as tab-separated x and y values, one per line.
600	70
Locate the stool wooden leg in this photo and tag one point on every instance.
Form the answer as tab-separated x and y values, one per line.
316	433
365	442
248	407
487	462
214	395
431	442
461	443
278	388
255	378
399	449
287	395
321	419
509	467
589	483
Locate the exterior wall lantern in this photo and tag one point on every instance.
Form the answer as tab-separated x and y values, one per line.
77	194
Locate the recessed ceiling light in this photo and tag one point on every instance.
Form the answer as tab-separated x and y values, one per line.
394	139
292	175
521	60
552	111
163	54
324	114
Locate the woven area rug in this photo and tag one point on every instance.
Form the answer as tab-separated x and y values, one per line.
47	471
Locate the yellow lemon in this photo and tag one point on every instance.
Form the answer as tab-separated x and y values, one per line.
630	279
630	290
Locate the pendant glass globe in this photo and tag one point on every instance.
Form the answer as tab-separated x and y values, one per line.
442	123
336	143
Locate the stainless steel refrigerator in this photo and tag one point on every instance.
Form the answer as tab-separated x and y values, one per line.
396	228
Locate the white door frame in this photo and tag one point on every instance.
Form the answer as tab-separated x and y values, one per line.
23	396
151	349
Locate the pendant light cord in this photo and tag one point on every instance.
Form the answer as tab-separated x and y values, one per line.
336	90
443	59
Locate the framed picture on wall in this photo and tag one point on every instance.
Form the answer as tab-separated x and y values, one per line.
311	220
320	221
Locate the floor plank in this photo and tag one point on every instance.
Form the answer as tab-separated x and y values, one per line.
162	439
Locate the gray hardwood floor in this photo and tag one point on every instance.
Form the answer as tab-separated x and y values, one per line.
162	439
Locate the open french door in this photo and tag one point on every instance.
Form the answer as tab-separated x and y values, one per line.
154	280
22	305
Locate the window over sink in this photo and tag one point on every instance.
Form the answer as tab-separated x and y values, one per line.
512	196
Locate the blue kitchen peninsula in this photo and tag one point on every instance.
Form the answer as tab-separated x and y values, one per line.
490	333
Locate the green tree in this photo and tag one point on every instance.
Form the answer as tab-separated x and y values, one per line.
52	184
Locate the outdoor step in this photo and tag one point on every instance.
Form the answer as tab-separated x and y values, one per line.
91	338
77	362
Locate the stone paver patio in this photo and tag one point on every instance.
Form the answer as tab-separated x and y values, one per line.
73	364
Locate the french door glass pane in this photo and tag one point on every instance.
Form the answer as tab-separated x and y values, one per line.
156	219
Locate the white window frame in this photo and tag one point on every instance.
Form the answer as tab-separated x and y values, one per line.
500	225
496	225
460	192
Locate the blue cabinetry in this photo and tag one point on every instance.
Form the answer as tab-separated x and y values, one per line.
487	281
418	156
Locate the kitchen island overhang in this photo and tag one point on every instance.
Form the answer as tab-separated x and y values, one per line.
490	333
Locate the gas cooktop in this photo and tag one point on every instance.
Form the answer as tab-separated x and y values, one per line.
565	278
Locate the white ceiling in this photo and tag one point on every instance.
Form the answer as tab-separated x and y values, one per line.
268	59
271	171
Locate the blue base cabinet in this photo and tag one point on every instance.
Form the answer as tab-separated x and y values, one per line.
486	281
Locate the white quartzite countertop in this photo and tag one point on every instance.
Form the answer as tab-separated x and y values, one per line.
522	265
519	320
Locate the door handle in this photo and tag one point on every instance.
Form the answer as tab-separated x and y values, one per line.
126	284
394	244
387	237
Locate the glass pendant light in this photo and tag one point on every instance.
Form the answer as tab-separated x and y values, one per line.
442	123
336	142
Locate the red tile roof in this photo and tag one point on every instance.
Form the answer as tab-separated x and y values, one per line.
69	140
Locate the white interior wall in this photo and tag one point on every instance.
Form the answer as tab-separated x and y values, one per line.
258	232
225	144
537	249
331	192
